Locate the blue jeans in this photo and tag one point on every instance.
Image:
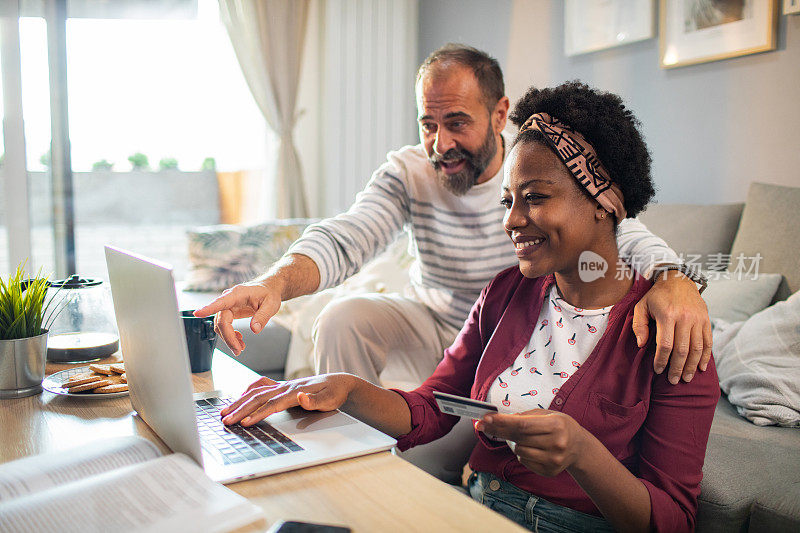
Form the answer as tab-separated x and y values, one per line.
529	511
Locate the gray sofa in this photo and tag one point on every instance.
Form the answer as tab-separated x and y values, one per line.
751	474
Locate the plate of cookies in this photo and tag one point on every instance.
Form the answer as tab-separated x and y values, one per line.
92	381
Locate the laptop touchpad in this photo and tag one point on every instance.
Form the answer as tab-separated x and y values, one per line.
297	420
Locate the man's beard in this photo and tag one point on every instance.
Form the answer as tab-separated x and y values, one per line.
462	181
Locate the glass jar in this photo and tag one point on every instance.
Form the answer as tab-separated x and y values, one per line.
85	328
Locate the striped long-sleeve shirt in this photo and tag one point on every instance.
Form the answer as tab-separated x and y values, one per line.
458	242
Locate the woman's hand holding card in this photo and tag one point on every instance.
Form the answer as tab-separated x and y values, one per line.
546	442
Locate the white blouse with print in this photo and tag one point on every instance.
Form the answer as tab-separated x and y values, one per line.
562	340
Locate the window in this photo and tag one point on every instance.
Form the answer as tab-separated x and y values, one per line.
4	260
170	90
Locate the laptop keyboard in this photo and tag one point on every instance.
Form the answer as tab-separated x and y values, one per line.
235	443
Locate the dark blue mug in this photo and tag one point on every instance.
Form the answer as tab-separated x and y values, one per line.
200	340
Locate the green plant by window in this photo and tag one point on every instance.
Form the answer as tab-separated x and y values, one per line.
168	163
26	313
209	163
139	161
102	165
45	159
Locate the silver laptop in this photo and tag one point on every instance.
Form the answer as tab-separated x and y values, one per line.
153	345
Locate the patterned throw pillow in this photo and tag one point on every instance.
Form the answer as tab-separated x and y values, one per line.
222	256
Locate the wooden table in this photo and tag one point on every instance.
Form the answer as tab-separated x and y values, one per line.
378	492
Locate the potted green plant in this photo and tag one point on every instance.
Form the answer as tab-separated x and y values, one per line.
139	161
26	312
102	165
168	163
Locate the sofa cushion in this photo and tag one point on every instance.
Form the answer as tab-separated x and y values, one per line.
702	230
743	461
777	510
222	256
770	226
736	298
729	423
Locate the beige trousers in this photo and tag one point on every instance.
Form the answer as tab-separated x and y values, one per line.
368	334
395	341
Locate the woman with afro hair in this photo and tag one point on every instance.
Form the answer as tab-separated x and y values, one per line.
587	436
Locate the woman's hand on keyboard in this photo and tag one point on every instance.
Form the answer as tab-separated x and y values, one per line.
265	397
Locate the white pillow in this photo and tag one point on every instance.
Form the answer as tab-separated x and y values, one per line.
758	363
733	298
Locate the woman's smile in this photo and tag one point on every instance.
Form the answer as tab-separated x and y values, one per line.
525	246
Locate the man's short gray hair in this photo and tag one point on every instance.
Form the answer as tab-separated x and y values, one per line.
485	68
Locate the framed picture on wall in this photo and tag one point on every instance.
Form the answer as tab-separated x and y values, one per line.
697	31
591	25
791	7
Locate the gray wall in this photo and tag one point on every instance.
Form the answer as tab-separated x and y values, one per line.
712	128
483	24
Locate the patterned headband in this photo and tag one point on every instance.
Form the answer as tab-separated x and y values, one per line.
581	160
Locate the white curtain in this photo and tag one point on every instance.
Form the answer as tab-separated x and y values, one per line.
268	36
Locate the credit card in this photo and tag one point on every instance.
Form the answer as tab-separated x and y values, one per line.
459	406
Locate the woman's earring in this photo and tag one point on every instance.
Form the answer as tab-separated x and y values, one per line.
602	211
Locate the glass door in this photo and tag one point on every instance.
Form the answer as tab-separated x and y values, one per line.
157	105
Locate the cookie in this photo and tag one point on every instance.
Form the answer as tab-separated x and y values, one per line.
118	368
81	379
123	378
113	379
101	369
118	387
90	386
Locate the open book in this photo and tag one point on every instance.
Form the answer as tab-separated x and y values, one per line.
121	484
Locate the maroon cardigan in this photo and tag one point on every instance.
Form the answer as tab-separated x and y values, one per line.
658	431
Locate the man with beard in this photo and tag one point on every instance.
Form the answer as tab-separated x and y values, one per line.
445	193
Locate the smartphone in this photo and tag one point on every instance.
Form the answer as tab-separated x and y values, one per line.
295	526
